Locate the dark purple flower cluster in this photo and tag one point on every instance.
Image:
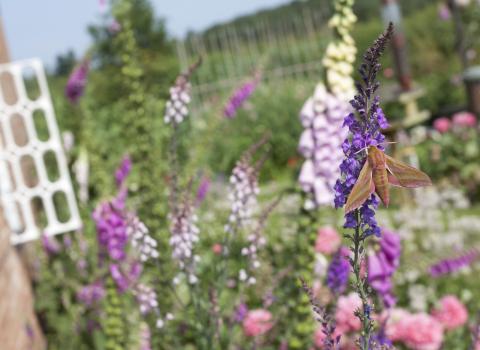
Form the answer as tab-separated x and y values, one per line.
383	264
364	130
239	97
338	271
91	293
76	82
447	266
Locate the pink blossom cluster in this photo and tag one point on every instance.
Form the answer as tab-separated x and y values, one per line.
459	120
328	240
416	331
257	322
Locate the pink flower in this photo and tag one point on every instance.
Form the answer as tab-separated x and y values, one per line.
442	124
464	119
257	322
319	337
328	240
217	249
451	313
395	323
346	320
422	332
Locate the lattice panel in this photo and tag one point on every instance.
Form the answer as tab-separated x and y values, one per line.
36	192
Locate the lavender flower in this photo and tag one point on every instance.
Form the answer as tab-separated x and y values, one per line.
183	237
91	294
450	265
123	171
239	97
141	240
364	131
176	108
202	190
383	264
146	298
76	82
320	143
338	271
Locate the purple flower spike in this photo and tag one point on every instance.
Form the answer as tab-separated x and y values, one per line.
451	265
338	271
239	97
77	82
123	171
203	189
382	265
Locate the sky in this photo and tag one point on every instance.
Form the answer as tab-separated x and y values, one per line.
45	28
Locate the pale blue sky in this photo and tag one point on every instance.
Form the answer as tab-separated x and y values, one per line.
44	28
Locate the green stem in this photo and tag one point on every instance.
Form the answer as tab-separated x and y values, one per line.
361	284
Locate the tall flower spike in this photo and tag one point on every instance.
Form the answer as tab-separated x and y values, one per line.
141	240
244	188
322	114
183	237
338	271
240	96
77	81
176	108
364	130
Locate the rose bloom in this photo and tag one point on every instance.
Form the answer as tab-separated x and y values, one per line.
328	240
464	119
422	332
257	322
345	317
442	124
451	313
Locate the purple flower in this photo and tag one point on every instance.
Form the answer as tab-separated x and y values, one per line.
76	82
203	189
364	130
450	265
239	97
382	265
123	171
125	279
320	143
338	271
91	294
50	245
240	313
114	27
111	230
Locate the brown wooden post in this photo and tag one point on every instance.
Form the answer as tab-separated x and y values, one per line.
19	327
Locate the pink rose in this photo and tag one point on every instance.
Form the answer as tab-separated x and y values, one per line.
464	119
451	313
257	322
422	332
346	320
442	124
328	240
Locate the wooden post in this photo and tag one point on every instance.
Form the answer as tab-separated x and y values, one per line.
19	328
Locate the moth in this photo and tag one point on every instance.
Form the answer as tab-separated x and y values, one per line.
378	173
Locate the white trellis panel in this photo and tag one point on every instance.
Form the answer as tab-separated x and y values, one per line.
16	195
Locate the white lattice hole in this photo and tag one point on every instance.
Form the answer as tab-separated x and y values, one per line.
29	171
40	125
61	207
38	211
51	163
30	82
8	94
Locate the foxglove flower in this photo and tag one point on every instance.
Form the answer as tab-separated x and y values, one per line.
239	97
202	190
176	108
111	230
338	272
123	171
451	265
183	237
141	240
244	189
146	298
50	245
91	294
383	264
76	82
322	114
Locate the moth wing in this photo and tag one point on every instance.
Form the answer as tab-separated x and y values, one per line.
362	189
405	175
